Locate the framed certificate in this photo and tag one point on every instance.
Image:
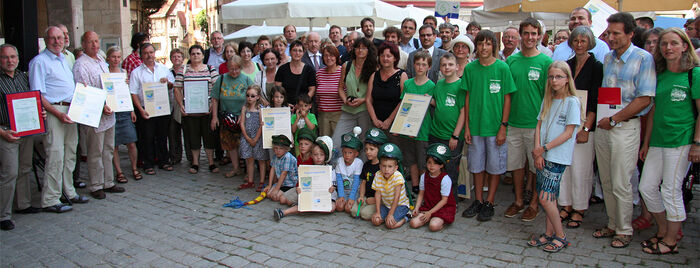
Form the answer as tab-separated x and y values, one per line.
87	104
196	97
411	113
25	113
314	182
276	121
118	95
155	99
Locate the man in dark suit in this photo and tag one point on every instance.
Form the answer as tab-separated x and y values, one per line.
427	35
313	57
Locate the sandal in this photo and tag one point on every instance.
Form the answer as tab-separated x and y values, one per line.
213	169
604	233
651	241
573	224
193	169
672	249
537	242
246	185
150	171
566	216
121	178
595	200
137	174
259	188
624	241
166	167
641	223
552	247
230	174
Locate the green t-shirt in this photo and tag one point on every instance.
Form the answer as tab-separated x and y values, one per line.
354	88
409	86
231	92
674	119
530	77
449	100
312	117
487	87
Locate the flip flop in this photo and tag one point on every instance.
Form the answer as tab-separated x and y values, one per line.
150	171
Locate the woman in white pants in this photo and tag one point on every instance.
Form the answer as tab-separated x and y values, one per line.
672	138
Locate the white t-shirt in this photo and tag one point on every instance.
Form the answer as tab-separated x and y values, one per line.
445	184
348	172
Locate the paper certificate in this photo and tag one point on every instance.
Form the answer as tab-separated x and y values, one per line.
411	113
86	106
314	182
609	102
155	98
25	113
118	95
196	97
276	121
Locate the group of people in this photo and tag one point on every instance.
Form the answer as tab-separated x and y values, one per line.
516	110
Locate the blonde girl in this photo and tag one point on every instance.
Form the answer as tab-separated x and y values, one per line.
251	143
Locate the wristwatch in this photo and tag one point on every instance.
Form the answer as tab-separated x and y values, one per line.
545	148
696	143
455	137
612	122
585	129
505	124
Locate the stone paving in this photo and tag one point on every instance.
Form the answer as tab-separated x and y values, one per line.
175	219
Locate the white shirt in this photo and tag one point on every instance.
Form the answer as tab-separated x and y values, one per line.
430	50
142	75
564	52
445	184
314	60
52	76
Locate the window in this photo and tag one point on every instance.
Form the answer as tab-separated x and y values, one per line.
173	43
172	23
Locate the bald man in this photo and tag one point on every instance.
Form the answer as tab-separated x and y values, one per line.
313	57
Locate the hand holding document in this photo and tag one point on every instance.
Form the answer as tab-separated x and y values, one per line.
118	95
196	97
609	102
314	182
25	113
155	98
411	113
276	121
86	106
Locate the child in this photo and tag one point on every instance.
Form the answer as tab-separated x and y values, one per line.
554	146
449	105
414	147
488	85
305	141
436	190
251	148
347	172
390	188
321	155
279	100
302	117
374	138
283	172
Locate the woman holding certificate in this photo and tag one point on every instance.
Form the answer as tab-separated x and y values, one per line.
192	88
384	88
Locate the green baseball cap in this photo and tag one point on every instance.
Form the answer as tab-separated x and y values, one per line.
306	133
375	136
281	140
440	152
350	141
390	150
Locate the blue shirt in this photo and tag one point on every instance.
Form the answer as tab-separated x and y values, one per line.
564	52
286	163
53	76
633	73
408	48
561	114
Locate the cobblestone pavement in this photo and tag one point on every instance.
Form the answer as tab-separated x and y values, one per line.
175	219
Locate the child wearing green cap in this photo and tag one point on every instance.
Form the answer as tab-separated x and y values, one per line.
305	141
390	187
347	172
283	172
435	203
374	138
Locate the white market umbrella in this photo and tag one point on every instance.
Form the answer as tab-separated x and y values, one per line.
251	33
315	13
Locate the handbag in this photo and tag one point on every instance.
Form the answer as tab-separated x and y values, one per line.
228	120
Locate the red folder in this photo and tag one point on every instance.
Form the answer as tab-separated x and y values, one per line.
10	108
610	95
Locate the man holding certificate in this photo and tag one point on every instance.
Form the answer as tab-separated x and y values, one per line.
15	152
100	141
50	73
630	70
152	129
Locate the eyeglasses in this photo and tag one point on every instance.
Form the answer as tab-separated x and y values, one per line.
251	96
556	77
562	38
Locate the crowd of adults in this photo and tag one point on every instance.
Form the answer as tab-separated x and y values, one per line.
356	80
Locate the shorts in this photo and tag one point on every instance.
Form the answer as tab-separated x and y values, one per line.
413	151
291	195
520	143
400	213
484	154
548	180
229	140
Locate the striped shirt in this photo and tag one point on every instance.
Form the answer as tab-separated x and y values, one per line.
209	73
18	83
327	90
386	188
633	73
